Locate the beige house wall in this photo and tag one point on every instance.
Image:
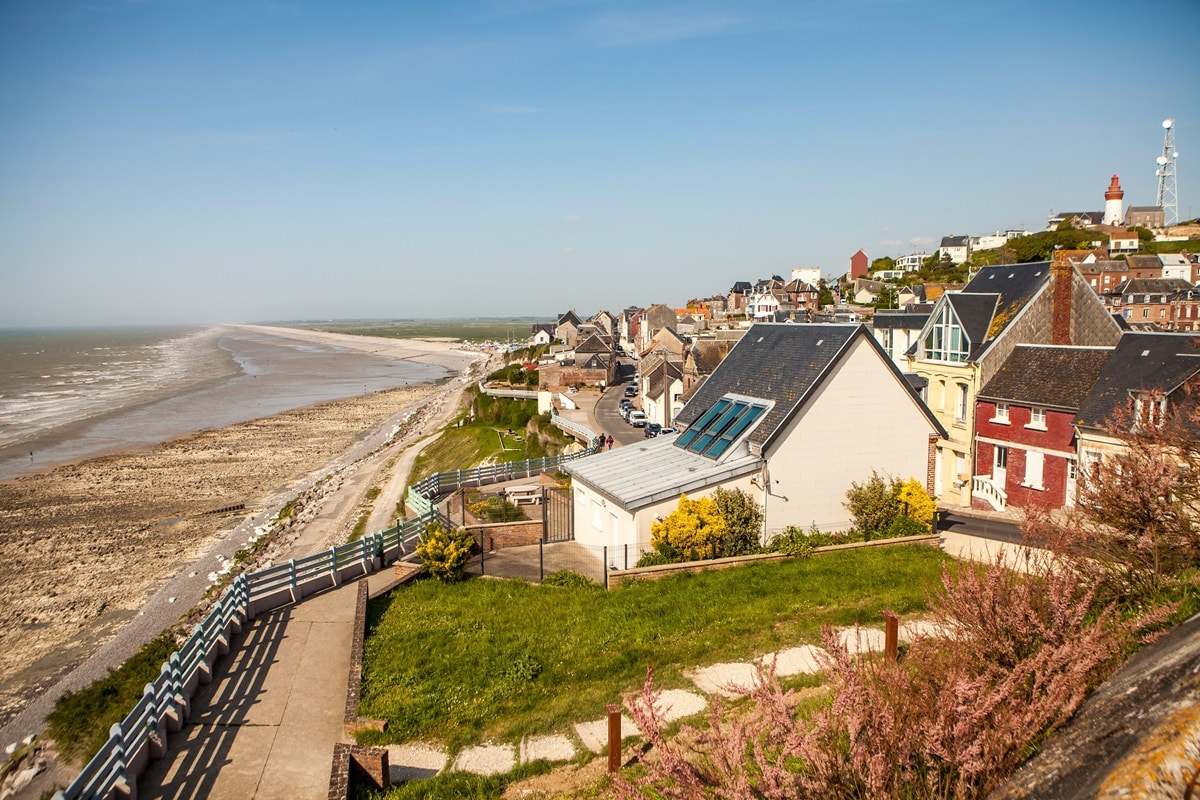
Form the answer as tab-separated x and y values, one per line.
862	418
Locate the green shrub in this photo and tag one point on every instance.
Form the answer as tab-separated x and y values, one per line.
567	579
653	558
444	554
743	522
905	526
495	509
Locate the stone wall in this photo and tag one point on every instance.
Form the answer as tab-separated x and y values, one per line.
357	765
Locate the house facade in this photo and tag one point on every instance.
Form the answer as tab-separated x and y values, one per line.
1025	453
793	415
969	335
1147	375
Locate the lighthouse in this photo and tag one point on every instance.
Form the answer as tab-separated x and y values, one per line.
1113	212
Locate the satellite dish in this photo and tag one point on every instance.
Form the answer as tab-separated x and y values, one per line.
1168	123
1175	154
1161	160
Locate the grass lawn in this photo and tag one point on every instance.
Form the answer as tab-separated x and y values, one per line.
471	445
498	660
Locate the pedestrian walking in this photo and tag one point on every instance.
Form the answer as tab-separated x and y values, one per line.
610	441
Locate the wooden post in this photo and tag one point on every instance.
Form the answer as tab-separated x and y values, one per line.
890	650
614	737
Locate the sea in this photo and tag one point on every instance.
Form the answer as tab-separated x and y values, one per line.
69	394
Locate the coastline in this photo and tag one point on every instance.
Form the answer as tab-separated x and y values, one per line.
87	544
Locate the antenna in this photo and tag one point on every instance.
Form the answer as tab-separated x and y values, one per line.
1168	196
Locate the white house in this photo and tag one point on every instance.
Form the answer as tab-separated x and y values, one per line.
957	248
811	275
793	415
911	262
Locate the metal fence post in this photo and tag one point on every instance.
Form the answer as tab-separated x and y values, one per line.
627	555
604	561
541	562
481	569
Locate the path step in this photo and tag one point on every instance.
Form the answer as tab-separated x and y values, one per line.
415	760
487	759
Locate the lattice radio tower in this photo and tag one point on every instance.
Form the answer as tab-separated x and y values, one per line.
1168	197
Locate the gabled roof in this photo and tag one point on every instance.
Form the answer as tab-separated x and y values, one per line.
660	379
569	317
1009	288
706	354
1143	262
741	287
975	313
596	343
956	241
899	320
1143	209
1022	379
1153	286
781	364
548	327
1139	362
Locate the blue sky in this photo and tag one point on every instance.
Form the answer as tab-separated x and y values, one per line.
189	161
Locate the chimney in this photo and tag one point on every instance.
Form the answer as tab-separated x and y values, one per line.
1060	322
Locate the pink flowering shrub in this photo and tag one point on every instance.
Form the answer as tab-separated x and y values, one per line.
951	720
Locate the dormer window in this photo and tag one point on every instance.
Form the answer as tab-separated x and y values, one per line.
945	340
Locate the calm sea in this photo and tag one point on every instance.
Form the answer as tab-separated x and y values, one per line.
71	394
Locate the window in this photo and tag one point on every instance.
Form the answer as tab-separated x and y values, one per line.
946	340
1037	418
1001	459
1001	413
960	465
597	515
719	427
1033	470
1145	312
960	410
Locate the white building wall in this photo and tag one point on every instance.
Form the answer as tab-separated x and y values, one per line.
601	522
807	274
862	418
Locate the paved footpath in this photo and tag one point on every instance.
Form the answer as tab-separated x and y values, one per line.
266	725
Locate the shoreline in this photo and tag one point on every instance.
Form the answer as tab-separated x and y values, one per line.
87	545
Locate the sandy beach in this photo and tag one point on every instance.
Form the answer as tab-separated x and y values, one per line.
85	545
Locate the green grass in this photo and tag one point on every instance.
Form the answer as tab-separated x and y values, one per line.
457	785
498	329
469	446
80	720
498	660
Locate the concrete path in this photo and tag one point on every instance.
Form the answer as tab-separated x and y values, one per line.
265	727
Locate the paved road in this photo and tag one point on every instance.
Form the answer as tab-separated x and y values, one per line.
984	528
608	416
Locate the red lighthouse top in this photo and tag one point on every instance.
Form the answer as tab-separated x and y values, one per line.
1114	190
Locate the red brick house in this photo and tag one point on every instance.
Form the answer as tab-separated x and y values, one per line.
1025	453
859	265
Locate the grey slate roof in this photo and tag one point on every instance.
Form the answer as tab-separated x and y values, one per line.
1053	376
782	363
955	241
1011	287
1140	361
899	320
644	473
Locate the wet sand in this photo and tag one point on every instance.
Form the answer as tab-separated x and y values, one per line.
83	546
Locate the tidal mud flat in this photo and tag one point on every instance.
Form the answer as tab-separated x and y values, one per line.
83	546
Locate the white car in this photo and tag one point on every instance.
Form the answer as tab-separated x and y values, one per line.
637	419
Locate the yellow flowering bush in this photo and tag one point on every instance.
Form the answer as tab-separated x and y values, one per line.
444	553
691	531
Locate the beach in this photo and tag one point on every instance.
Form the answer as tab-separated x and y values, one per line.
84	545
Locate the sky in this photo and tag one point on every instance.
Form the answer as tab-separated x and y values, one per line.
204	161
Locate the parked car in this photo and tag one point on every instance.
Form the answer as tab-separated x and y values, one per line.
637	419
626	411
665	431
652	430
631	391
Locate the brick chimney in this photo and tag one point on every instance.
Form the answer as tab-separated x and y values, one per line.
1060	323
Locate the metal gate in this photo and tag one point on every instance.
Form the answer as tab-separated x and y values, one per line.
558	514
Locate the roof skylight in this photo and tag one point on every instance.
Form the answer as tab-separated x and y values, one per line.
723	424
